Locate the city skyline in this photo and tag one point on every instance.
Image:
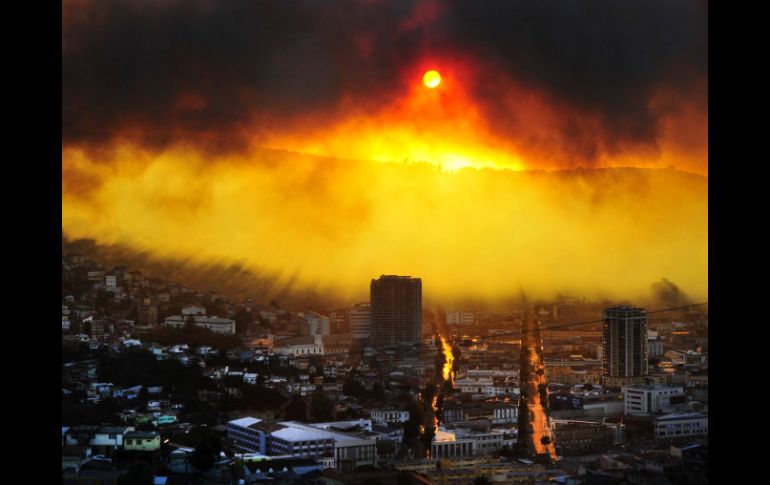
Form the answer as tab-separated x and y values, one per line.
395	242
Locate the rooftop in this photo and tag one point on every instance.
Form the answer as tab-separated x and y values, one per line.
244	422
683	415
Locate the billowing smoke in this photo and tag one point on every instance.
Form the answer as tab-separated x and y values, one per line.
668	295
570	84
249	133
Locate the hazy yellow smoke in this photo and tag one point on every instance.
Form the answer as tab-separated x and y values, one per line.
336	224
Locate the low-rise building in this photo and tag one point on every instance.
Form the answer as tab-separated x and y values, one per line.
73	457
459	318
245	435
389	416
678	425
106	437
584	437
141	441
447	444
214	324
653	398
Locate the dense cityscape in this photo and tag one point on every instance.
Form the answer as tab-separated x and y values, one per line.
182	385
413	242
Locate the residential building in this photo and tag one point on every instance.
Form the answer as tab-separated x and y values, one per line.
396	310
584	437
214	324
447	444
624	341
314	324
105	437
389	416
359	320
459	318
110	282
141	441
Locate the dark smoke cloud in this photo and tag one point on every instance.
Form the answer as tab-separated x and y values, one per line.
668	295
212	72
601	57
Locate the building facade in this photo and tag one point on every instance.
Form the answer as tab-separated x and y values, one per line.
396	310
459	318
583	437
655	398
214	324
679	425
624	346
359	320
389	416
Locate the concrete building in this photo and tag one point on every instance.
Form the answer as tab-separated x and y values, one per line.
654	398
460	318
487	386
624	342
310	440
677	425
313	345
300	441
314	324
492	412
360	321
396	310
446	444
110	282
584	437
389	416
147	313
193	310
339	321
246	435
214	324
468	441
322	441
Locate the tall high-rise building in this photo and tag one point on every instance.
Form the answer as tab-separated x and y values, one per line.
396	310
624	346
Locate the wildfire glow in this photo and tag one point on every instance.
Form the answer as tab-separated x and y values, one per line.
449	359
333	224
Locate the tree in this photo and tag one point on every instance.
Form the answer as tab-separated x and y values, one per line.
296	409
379	391
352	387
321	406
206	453
412	426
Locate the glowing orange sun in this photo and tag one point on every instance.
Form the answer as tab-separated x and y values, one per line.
431	79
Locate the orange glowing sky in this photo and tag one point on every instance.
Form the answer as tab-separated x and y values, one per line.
317	153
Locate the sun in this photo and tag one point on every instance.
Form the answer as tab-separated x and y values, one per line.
431	79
